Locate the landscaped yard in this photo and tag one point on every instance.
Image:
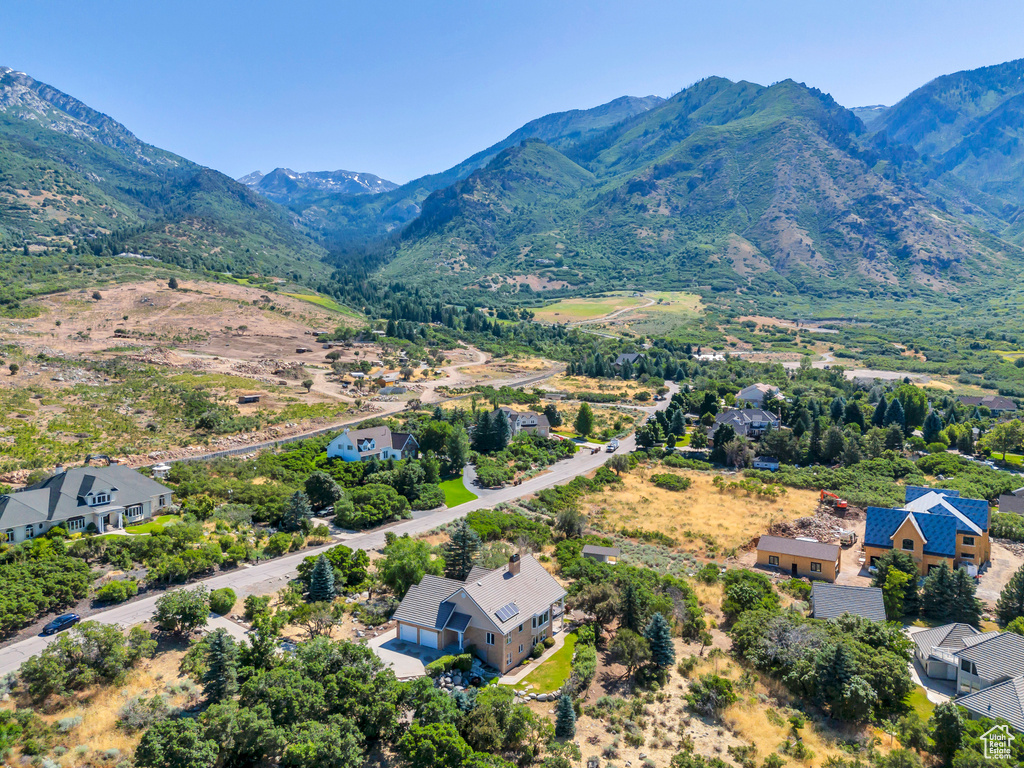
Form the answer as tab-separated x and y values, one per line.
554	671
455	492
918	701
155	525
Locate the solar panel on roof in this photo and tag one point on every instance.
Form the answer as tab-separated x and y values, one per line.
507	611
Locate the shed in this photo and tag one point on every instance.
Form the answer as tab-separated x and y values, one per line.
243	399
830	601
602	554
800	557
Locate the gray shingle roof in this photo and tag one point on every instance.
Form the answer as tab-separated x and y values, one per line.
795	547
477	572
459	621
61	496
1005	700
533	589
997	657
593	549
950	637
1011	503
424	604
830	601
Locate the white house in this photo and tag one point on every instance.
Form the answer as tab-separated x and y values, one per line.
372	443
105	497
527	421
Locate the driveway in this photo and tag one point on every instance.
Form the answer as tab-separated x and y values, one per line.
408	660
999	571
937	691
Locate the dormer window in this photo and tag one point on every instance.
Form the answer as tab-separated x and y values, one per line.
908	545
100	498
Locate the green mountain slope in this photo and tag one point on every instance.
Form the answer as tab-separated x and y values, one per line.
732	185
73	178
968	131
345	217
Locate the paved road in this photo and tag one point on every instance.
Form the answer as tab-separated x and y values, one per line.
271	575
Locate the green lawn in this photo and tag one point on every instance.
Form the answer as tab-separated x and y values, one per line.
323	301
550	675
153	526
919	703
455	492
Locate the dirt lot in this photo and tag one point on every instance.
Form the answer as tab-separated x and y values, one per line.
731	519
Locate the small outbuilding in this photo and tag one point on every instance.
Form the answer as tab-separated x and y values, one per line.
766	462
800	557
246	399
602	554
830	601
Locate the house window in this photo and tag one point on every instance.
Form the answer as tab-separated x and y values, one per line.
521	646
540	621
76	524
967	556
968	541
10	534
163	501
28	532
773	559
520	628
100	498
908	545
815	567
134	512
965	665
508	659
490	638
508	639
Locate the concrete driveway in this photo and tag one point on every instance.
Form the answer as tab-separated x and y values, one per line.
1000	570
407	659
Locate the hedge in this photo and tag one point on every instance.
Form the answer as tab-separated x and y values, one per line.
463	662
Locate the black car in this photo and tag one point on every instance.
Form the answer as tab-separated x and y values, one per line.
61	623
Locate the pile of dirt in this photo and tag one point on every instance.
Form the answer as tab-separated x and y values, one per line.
824	527
1017	547
74	375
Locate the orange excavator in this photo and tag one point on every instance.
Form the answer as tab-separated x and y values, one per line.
832	500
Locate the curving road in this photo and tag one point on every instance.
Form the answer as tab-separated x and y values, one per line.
272	575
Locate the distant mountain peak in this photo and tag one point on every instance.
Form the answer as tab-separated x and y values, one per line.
283	184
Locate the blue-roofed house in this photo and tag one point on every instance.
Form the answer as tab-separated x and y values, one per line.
935	525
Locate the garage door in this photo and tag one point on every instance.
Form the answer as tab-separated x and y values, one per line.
428	639
409	633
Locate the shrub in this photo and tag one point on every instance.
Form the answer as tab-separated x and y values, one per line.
936	448
708	573
549	642
671	482
117	591
222	601
538	651
462	662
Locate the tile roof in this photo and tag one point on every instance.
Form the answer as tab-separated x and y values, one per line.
796	547
830	601
1003	701
424	604
997	657
533	589
756	392
1009	502
477	572
949	637
994	402
459	621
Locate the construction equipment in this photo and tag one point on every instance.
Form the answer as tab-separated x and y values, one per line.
847	538
830	499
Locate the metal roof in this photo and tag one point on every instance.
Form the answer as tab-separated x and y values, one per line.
997	657
1003	701
798	548
830	601
948	636
593	549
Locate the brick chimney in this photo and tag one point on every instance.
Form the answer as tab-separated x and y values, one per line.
513	565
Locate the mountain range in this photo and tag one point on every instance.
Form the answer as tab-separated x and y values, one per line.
727	186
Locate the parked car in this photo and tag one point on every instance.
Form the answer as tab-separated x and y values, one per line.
61	623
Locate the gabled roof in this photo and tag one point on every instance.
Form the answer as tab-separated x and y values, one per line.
1003	701
533	590
912	492
62	495
949	637
971	514
830	601
1011	502
798	548
756	391
424	604
632	357
997	657
939	530
401	441
993	402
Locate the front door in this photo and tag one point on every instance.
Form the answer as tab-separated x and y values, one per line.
795	573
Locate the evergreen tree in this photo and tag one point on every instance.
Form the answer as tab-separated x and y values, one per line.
677	426
932	428
894	437
659	636
321	581
814	446
565	718
584	423
837	409
894	415
322	490
937	594
895	559
853	415
460	551
1011	599
878	417
835	670
456	447
833	444
221	677
500	430
965	441
965	607
296	510
626	370
633	607
553	415
948	730
482	432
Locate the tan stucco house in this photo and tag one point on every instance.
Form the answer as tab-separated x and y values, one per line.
501	614
934	526
800	557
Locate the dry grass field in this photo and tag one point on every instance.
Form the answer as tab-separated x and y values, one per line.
575	310
732	519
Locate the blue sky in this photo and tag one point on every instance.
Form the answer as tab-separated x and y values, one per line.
401	89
